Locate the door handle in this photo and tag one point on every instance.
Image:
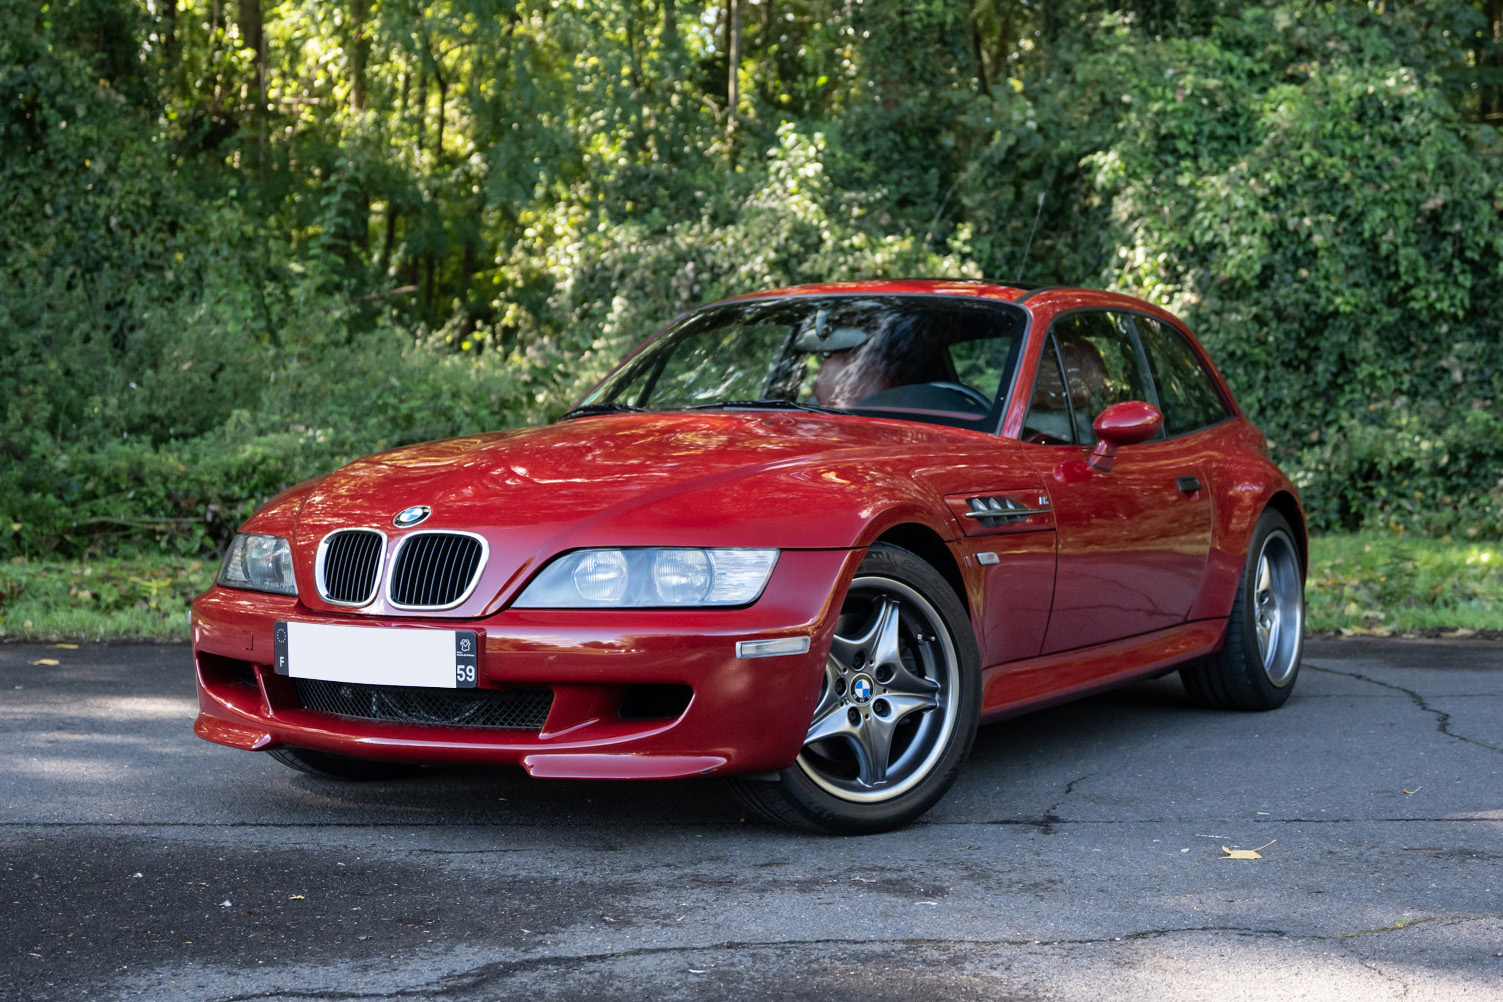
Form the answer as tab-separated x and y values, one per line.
1187	485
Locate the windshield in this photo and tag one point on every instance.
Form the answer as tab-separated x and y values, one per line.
939	359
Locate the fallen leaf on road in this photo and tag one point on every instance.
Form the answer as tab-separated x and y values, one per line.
45	661
66	647
1245	853
1415	790
296	897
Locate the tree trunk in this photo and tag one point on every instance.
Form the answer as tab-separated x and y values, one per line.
253	37
1003	49
443	103
169	34
733	62
422	102
633	57
360	51
1490	61
670	27
981	77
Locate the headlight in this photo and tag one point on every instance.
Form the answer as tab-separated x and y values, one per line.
676	577
259	563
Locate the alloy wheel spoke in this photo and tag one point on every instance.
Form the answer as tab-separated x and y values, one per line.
845	649
903	704
873	743
905	681
829	697
877	646
833	723
883	643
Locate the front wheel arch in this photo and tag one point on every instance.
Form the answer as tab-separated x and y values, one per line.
930	547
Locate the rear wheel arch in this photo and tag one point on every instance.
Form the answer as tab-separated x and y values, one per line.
1284	503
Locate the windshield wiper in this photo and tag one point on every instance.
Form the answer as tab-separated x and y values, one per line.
584	410
767	404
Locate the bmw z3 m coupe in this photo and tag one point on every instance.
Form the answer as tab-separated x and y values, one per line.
807	539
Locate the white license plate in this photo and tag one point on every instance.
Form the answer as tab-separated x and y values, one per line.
375	655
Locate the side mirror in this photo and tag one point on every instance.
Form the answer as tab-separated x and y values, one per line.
1127	423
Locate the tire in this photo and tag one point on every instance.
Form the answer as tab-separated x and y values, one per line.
326	766
876	761
1259	659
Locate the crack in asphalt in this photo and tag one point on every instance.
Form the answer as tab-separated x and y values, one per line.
491	971
1046	823
1442	718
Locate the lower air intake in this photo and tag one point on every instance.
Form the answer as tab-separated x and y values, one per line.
513	709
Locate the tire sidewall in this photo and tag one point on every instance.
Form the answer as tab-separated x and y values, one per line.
1271	523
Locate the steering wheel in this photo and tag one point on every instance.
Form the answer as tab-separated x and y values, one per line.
974	396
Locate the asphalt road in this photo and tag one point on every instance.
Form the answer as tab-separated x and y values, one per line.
1079	857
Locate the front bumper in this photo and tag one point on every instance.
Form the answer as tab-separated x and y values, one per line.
741	715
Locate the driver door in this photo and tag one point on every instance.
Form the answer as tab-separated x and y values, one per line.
1132	542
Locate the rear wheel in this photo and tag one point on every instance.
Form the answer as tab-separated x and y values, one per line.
1260	657
897	706
327	766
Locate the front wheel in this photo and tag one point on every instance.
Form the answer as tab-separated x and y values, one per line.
897	706
1260	657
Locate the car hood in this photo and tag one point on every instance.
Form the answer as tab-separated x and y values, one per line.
733	478
572	472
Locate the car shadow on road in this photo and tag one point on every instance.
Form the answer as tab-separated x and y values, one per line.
1035	745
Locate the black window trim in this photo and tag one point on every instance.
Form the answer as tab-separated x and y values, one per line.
1142	357
1206	370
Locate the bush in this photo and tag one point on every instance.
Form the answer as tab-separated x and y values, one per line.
1314	207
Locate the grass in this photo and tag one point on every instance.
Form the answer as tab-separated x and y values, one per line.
1384	584
135	598
1368	583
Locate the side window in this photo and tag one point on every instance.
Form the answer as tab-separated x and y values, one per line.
1187	393
1102	365
1048	421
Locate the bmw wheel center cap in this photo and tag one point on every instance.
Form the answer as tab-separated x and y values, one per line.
408	517
861	689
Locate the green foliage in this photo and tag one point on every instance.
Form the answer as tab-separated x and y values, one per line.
1311	205
453	215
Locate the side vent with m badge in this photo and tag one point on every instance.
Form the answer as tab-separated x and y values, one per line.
1004	511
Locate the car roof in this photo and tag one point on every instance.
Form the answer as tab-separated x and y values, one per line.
1052	298
972	288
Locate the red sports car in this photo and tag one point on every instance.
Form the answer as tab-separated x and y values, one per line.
808	539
